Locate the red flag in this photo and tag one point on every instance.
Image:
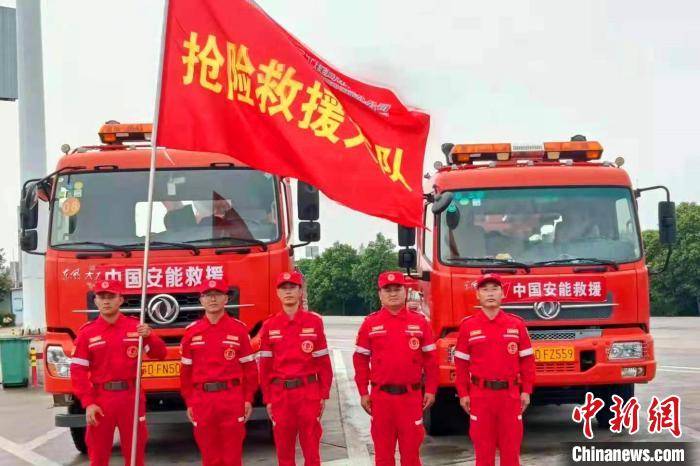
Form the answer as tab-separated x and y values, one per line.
235	82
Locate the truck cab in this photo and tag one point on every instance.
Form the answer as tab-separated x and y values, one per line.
562	229
213	218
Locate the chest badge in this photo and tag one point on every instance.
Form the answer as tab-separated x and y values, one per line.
229	354
512	347
414	343
132	351
307	346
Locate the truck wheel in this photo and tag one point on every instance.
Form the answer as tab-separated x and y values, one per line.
78	433
604	416
445	417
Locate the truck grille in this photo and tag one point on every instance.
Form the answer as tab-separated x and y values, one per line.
188	303
550	367
564	334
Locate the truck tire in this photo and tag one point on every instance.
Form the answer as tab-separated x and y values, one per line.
445	417
604	416
78	433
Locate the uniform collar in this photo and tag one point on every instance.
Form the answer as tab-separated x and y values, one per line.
402	314
207	323
283	319
499	316
117	323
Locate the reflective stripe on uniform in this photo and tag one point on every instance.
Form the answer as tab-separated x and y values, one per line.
80	362
361	350
526	352
319	353
186	361
427	348
249	358
264	354
460	355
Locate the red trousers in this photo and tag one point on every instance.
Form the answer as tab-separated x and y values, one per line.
118	409
219	426
397	418
297	412
495	421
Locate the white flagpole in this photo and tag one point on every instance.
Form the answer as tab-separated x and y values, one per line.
147	245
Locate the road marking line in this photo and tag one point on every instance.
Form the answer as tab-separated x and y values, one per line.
42	439
681	367
21	452
679	371
349	402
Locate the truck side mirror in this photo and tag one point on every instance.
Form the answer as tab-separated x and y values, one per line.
29	207
307	202
309	232
667	223
442	201
408	258
407	236
28	240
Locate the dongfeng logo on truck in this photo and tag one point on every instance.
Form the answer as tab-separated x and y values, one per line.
163	309
547	310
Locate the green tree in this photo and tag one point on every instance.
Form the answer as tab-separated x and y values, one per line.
677	290
329	282
378	256
5	280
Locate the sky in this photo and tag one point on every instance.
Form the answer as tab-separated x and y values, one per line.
624	73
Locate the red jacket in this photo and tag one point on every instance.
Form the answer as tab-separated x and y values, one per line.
107	352
217	353
498	349
292	348
395	349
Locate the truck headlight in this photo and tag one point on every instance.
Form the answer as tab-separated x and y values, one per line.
57	362
626	350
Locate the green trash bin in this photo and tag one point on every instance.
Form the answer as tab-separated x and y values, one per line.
14	358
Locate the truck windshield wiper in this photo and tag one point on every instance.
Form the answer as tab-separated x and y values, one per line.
108	246
175	244
575	260
491	261
232	239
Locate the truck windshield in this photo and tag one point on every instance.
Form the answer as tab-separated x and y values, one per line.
198	206
536	226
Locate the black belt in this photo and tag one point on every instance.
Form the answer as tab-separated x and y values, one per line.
116	386
399	389
296	383
493	384
219	385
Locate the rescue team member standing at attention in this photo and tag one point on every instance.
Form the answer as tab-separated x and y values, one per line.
495	372
218	379
295	373
103	374
395	349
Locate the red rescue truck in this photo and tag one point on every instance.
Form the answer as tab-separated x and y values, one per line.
213	217
561	226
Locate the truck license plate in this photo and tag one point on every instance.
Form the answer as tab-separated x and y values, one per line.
555	354
160	369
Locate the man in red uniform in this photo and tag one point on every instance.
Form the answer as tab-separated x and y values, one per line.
495	372
103	374
395	350
295	373
218	379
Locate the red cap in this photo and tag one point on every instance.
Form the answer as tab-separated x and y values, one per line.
489	278
391	277
108	286
210	285
290	277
